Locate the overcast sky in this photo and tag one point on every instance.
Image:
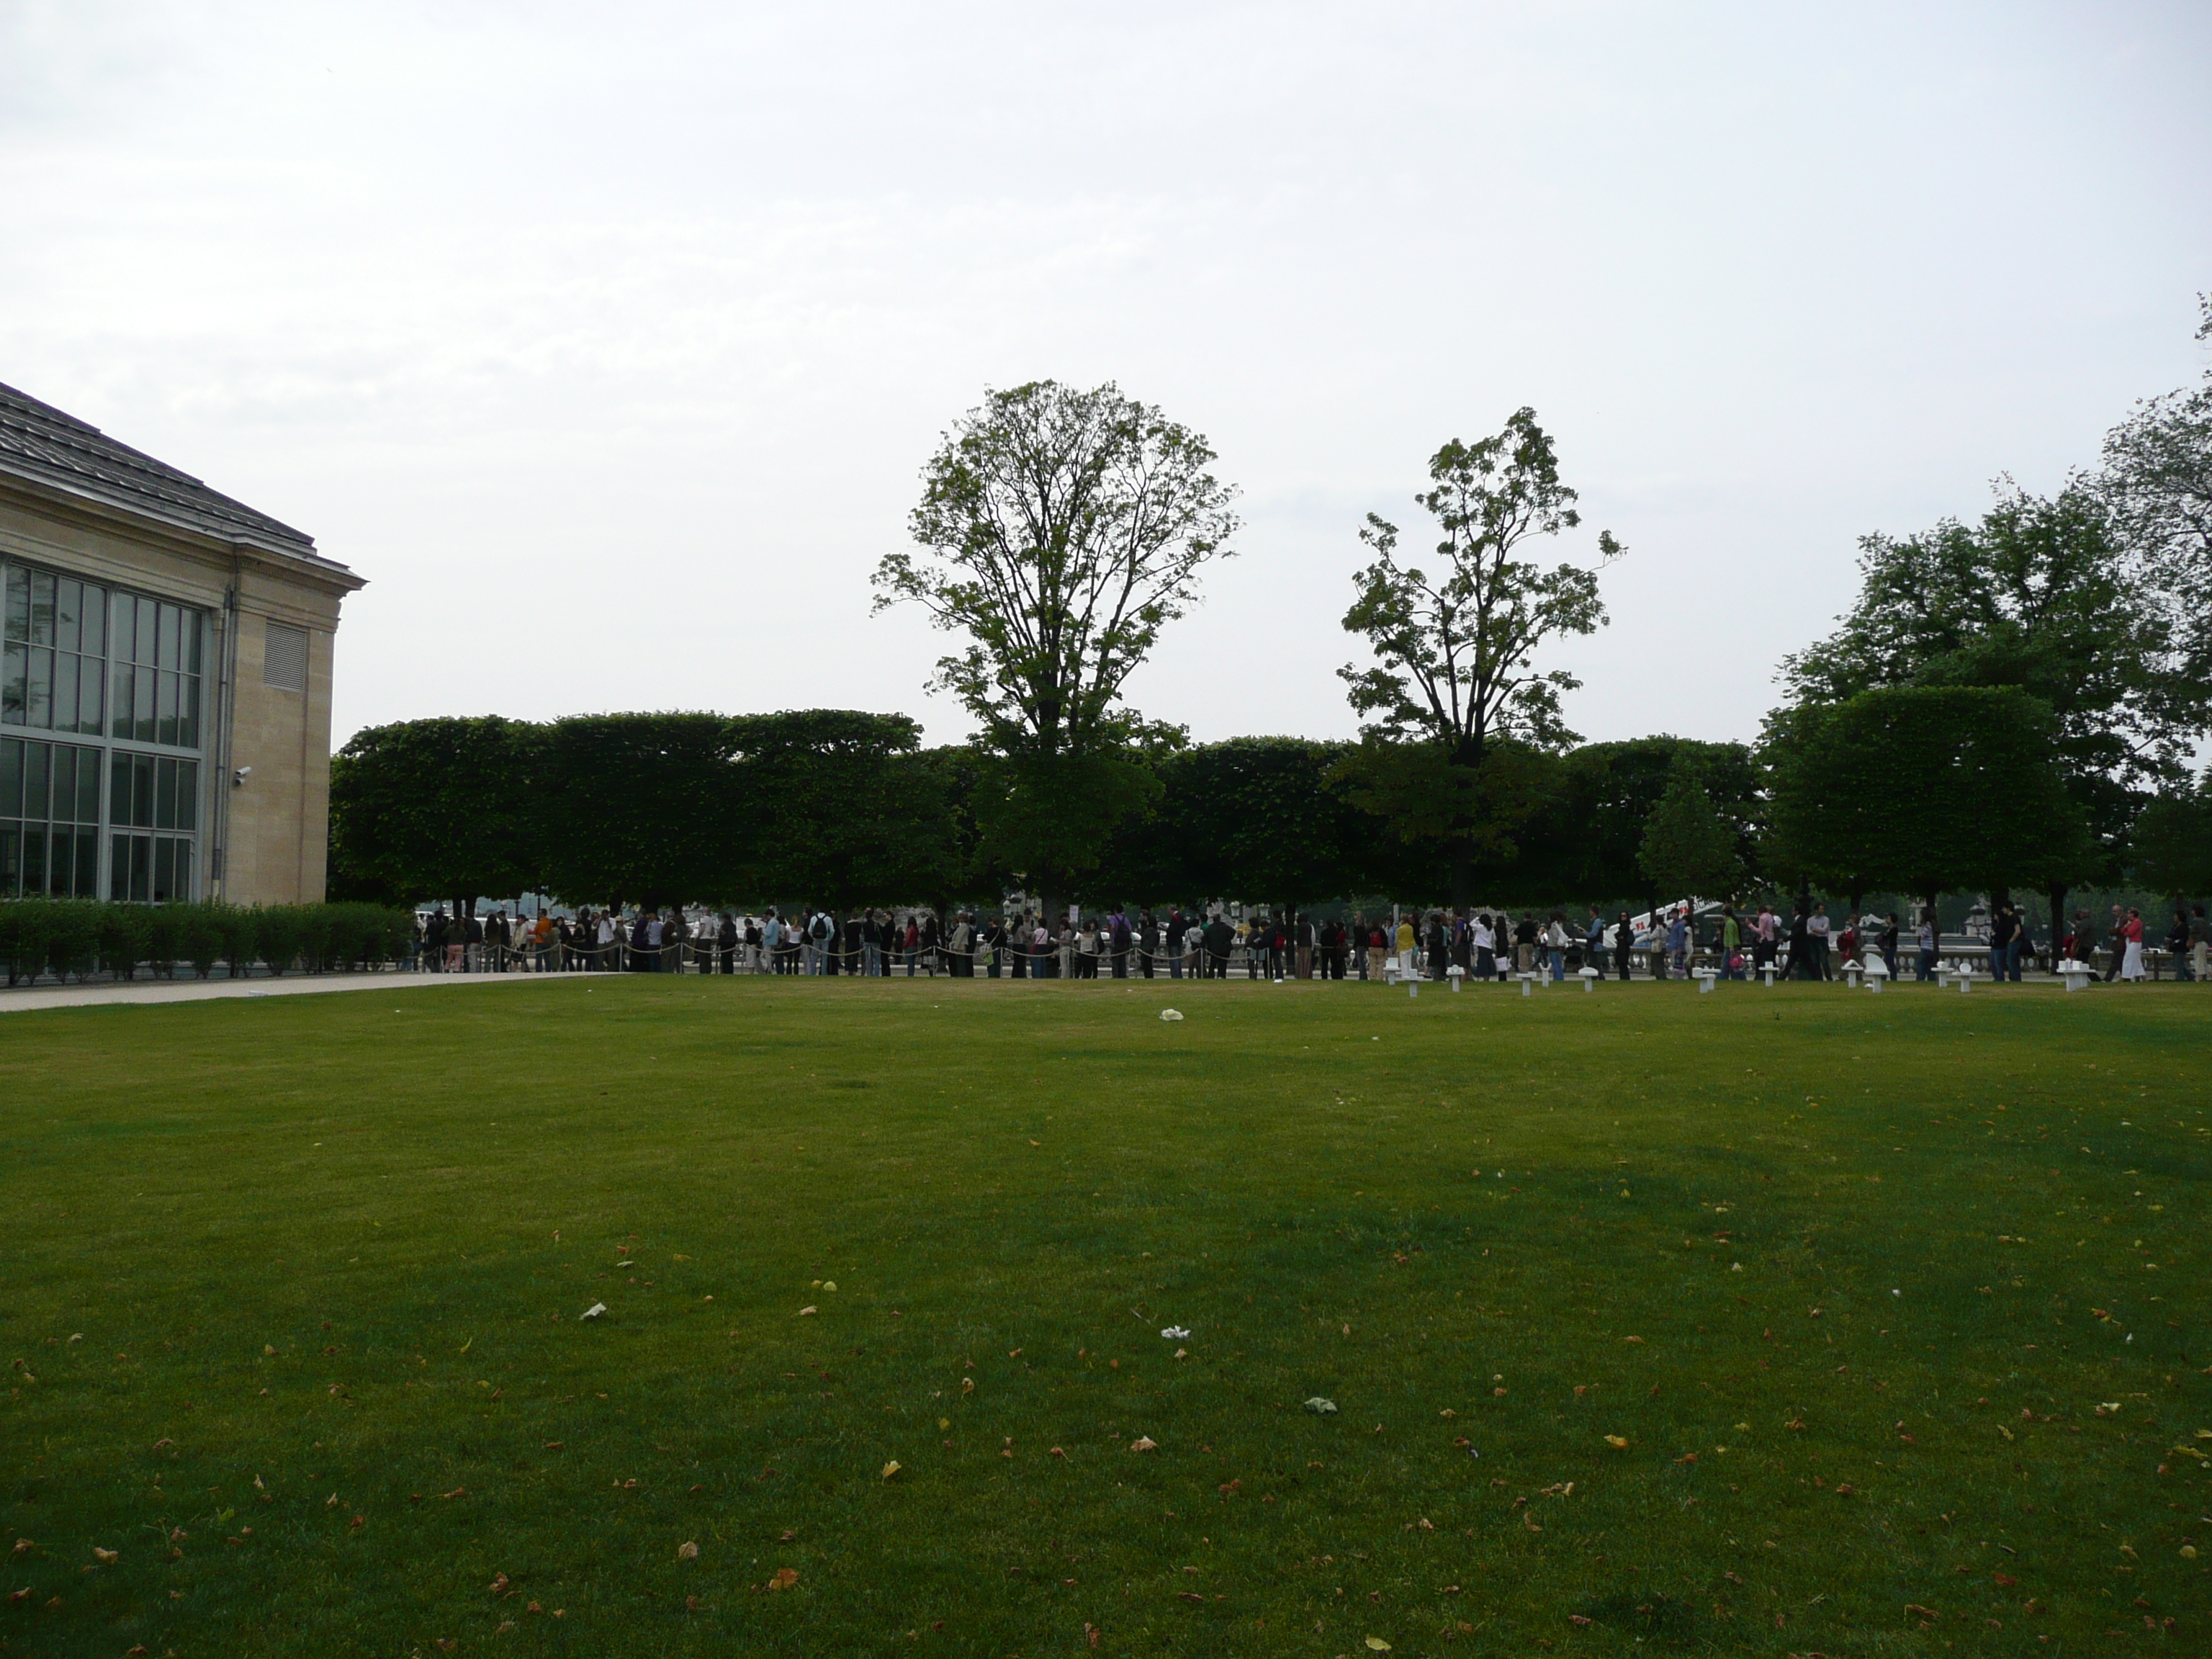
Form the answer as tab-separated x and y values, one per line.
607	342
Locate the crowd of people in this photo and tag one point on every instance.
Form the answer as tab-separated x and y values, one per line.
1436	944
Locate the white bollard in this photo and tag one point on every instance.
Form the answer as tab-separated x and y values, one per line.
2077	974
1705	976
1589	978
1455	974
1413	989
1526	989
1766	975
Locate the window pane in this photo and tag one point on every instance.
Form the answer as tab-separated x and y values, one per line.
61	861
195	631
165	704
91	681
170	617
141	697
88	786
34	858
11	859
119	790
165	794
188	794
18	624
38	705
14	684
142	791
180	886
68	597
11	777
65	781
165	866
42	608
37	758
124	609
94	642
118	866
126	678
147	611
142	867
65	664
87	864
188	712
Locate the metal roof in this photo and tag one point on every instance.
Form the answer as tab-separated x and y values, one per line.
40	443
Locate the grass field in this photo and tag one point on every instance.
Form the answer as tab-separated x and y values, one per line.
1782	1321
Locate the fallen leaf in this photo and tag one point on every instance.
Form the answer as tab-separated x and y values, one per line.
1378	1644
593	1311
1144	1443
784	1579
687	1550
1319	1407
1616	1442
803	1312
891	1469
106	1558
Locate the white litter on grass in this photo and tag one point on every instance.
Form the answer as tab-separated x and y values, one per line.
1175	1333
1171	1014
593	1311
1321	1408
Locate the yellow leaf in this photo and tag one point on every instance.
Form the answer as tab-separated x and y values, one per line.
1143	1442
830	1285
1378	1644
891	1469
1616	1442
803	1312
687	1550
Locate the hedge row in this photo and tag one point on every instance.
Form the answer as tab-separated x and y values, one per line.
82	937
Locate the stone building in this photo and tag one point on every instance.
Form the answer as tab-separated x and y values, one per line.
165	677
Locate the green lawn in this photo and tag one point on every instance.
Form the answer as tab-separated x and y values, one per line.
1772	1316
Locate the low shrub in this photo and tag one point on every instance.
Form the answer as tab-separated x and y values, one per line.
66	937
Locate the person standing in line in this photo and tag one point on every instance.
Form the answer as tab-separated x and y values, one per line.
725	945
2200	944
1555	941
1731	944
2119	944
1177	929
2001	935
1624	945
1484	942
1924	944
1887	944
639	940
2177	945
2131	946
1816	929
1148	941
1594	942
1406	942
1120	942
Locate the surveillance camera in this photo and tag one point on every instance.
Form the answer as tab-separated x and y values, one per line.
238	778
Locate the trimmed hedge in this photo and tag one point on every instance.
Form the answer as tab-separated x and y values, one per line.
79	938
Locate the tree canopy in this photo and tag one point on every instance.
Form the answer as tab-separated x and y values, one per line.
1455	674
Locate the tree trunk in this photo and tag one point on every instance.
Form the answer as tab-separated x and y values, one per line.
2057	894
1462	878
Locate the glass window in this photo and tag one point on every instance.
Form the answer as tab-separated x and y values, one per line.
39	703
95	621
42	608
66	675
170	617
188	712
125	678
165	793
38	759
149	612
91	680
188	794
14	682
69	596
34	858
11	777
195	629
165	703
141	698
124	611
11	859
17	625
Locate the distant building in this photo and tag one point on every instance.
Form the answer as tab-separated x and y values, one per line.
165	678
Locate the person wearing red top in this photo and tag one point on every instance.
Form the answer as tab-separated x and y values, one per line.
2132	930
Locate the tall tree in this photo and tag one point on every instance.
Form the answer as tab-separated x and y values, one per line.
643	808
1688	849
1454	676
2157	478
1059	531
2173	841
2041	594
1920	790
437	809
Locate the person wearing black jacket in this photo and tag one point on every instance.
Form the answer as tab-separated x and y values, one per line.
1148	941
1219	937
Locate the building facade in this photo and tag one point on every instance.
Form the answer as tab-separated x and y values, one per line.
165	678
